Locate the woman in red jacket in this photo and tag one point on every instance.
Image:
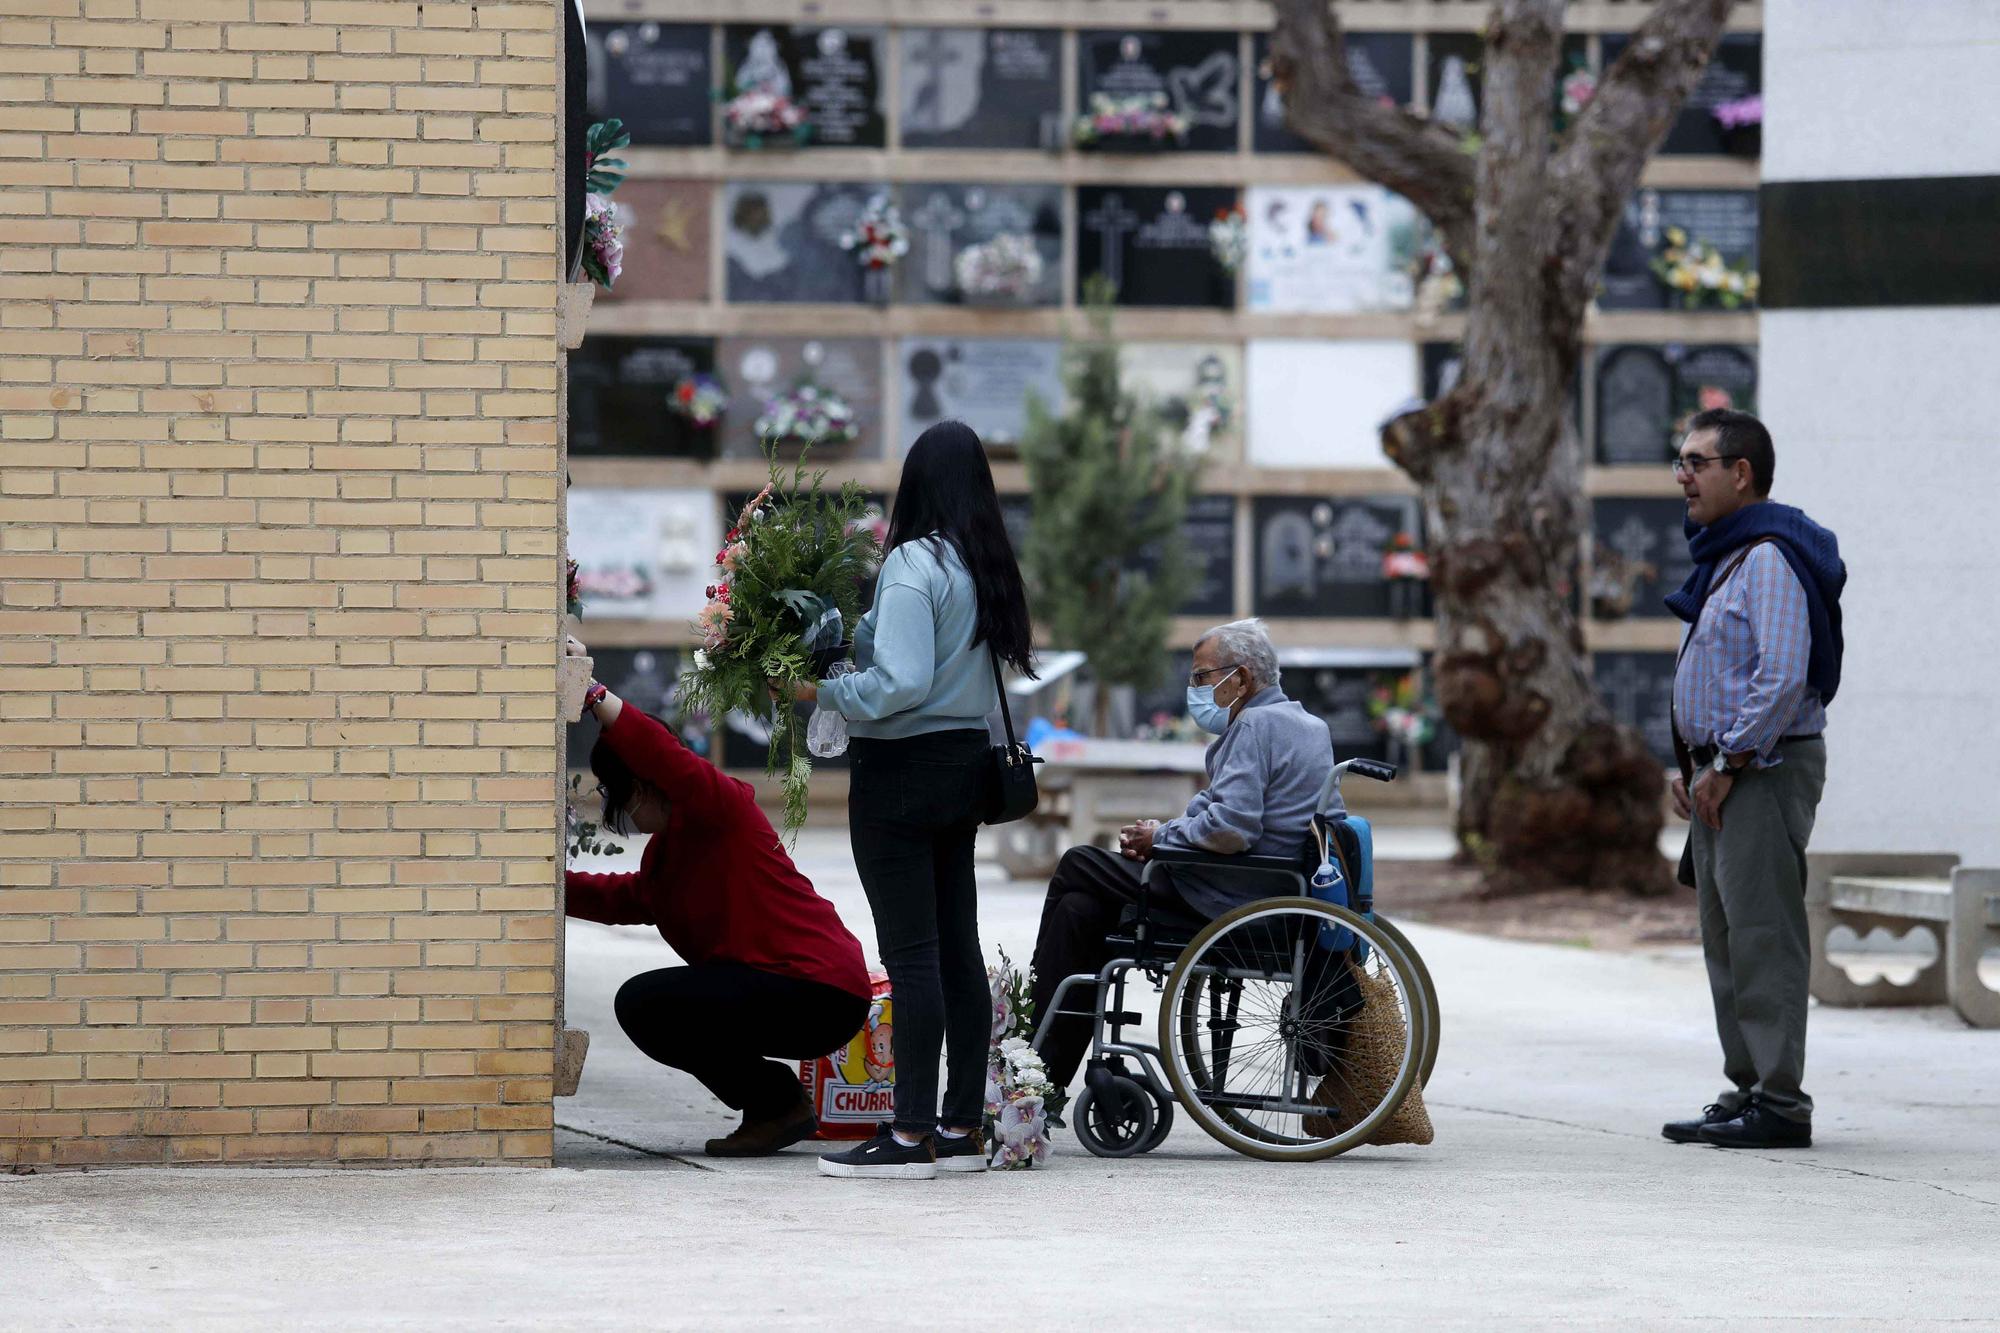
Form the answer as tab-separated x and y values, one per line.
771	971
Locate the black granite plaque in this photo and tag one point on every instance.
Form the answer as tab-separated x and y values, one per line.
577	64
981	88
781	240
984	382
648	679
1725	219
618	392
1635	406
1734	75
760	369
1383	65
1713	376
944	221
1199	73
833	73
654	77
1209	530
1152	242
1646	532
1324	557
1639	690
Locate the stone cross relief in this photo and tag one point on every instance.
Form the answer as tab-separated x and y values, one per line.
934	53
936	222
1111	220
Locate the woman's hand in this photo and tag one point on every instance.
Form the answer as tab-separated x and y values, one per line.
805	692
573	647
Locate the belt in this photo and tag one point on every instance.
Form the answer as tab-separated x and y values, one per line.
1704	755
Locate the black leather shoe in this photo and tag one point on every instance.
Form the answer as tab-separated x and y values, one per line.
1758	1127
1689	1131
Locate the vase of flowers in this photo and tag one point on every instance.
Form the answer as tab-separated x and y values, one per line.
1004	270
1742	124
807	416
1135	123
1229	238
1018	1090
877	240
1404	714
1699	276
700	400
762	118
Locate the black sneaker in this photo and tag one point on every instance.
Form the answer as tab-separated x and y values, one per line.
1689	1131
883	1158
966	1152
1759	1127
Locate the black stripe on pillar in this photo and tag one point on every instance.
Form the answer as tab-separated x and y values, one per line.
1926	241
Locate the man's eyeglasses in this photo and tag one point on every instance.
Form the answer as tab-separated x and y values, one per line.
1194	678
1689	464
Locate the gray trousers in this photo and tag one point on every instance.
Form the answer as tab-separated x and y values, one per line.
1750	885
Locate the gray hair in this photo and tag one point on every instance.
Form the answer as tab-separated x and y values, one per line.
1246	643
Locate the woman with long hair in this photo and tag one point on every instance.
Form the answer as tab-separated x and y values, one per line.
949	610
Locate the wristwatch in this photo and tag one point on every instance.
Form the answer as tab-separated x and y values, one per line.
1722	765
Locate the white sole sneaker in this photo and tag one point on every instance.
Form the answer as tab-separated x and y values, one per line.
899	1171
968	1163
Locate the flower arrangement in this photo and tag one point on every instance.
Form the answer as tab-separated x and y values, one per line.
620	582
807	415
789	577
878	238
573	593
603	234
1578	87
1740	114
1229	238
585	837
1018	1090
1139	116
699	398
1402	558
757	116
1402	711
1007	267
1698	272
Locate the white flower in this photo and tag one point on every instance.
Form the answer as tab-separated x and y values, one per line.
700	660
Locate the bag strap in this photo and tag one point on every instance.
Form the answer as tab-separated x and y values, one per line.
1682	755
1006	713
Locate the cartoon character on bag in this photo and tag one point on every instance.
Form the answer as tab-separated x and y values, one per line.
880	1060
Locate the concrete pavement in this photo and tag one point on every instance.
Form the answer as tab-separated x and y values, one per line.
1547	1199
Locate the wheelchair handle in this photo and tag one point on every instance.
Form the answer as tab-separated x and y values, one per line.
1367	768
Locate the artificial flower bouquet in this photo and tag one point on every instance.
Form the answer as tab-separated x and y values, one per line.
1136	119
1018	1090
1006	268
1229	238
761	117
1699	275
700	399
807	415
603	233
878	237
1402	711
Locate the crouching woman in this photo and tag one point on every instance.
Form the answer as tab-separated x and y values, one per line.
770	970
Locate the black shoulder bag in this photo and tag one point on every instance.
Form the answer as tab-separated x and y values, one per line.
1013	795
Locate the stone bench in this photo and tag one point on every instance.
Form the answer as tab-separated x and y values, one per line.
1899	894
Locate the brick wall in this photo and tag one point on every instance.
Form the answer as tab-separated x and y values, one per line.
279	540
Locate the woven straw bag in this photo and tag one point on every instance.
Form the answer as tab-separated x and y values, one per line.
1375	1041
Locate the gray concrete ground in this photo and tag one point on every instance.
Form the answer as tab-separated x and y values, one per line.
1547	1199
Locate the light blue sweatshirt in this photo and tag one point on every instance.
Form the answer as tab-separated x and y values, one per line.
918	669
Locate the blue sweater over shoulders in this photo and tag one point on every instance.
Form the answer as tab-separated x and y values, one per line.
918	669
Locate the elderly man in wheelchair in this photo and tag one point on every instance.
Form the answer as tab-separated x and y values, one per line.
1251	913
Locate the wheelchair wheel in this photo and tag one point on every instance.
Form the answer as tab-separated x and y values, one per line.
1280	1047
1119	1124
1163	1117
1427	992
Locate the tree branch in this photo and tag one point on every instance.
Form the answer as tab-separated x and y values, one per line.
1423	162
1599	162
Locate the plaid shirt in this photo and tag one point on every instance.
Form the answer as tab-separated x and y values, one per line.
1741	682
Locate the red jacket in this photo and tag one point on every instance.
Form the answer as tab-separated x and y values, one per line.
717	882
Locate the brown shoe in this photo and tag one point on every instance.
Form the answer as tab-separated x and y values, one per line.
761	1138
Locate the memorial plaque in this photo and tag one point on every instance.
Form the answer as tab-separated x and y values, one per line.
643	554
1324	557
782	240
1152	242
1197	71
1648	532
1197	388
944	221
667	241
1339	696
1713	376
655	77
648	679
834	74
1639	690
619	388
1635	406
1321	402
1453	76
758	370
1734	74
1209	530
981	88
1330	249
984	382
1383	65
1725	219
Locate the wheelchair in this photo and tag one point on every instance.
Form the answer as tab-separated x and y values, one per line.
1258	1008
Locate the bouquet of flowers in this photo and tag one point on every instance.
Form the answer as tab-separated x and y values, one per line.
1578	87
1017	1085
807	415
1137	116
1401	710
1699	273
1008	266
1229	238
1740	114
603	241
878	238
619	582
700	398
757	114
1402	558
789	578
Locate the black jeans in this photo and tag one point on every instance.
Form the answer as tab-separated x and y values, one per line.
719	1020
1091	889
913	809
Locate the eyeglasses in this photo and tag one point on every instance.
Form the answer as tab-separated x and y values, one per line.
1194	678
1693	463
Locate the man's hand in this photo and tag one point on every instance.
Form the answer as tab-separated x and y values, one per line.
1682	806
1710	791
1135	841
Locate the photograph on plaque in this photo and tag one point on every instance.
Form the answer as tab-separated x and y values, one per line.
1725	112
643	554
1383	65
1152	243
762	372
621	397
1197	388
1647	557
655	78
1321	402
1639	690
833	76
1329	249
667	241
995	245
984	382
1209	529
781	240
1193	76
1724	221
1324	557
981	88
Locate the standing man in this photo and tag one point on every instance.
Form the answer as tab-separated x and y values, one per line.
1759	663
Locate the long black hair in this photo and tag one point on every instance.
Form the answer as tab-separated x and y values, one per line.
947	489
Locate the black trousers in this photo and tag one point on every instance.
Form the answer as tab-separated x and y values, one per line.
913	810
718	1021
1091	890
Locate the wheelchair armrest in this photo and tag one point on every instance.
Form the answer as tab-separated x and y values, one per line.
1221	861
